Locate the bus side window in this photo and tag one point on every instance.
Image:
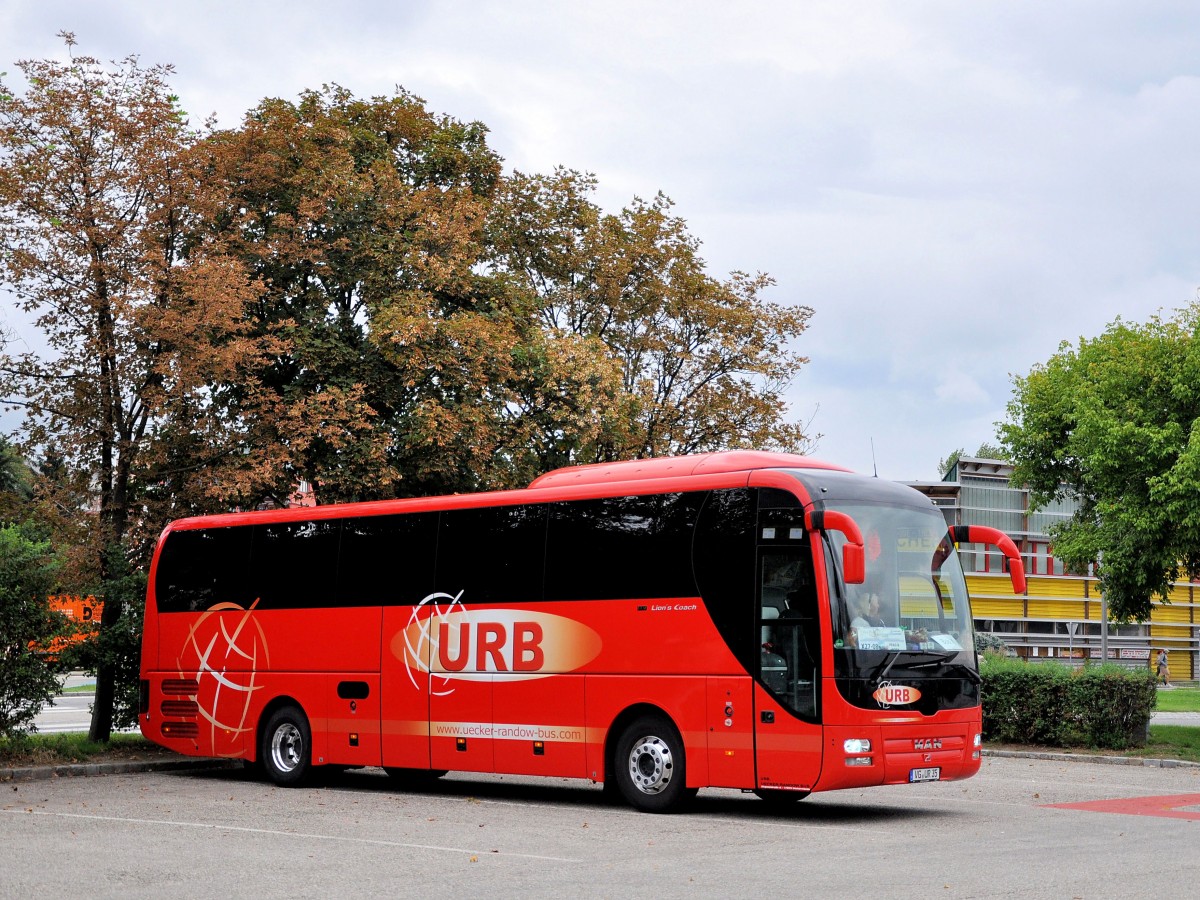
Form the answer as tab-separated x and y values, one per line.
387	559
493	554
630	547
294	564
201	567
723	558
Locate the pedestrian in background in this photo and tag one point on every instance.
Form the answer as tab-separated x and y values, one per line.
1164	673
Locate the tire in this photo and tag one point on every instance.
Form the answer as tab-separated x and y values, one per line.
649	768
286	750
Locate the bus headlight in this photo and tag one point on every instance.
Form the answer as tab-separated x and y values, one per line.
856	745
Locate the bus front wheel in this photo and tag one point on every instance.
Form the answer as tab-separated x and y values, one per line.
649	768
286	751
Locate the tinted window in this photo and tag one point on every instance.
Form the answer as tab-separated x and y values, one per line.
387	559
294	564
724	556
622	547
198	569
773	498
493	555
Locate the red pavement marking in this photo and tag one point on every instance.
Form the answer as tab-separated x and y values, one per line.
1166	807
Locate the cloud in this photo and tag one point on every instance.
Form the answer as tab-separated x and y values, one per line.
954	188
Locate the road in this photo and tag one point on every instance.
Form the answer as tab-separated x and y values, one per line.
68	712
222	834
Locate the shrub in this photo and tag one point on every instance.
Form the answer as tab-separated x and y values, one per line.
1111	706
1103	706
989	643
28	673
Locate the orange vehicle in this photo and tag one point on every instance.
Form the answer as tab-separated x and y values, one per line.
84	615
659	626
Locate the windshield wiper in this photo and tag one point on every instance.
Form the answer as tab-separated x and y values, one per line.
887	664
936	660
943	660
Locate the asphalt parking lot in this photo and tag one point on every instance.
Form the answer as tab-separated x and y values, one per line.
220	833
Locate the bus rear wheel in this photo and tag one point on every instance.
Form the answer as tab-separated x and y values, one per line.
649	768
286	751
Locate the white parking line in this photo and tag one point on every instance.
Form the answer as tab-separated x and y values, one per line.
294	834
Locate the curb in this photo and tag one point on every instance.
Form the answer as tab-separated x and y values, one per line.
77	770
1093	758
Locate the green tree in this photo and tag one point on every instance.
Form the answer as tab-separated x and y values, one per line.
991	451
945	465
986	451
15	475
101	198
1115	424
28	676
703	363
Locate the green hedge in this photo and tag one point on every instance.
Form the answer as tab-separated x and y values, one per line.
1053	705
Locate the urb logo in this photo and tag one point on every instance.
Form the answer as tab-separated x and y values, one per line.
445	641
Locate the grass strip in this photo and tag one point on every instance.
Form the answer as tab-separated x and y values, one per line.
22	750
1178	700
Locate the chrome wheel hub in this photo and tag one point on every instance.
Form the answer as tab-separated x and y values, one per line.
287	747
651	765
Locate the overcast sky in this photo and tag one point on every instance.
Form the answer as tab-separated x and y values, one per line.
954	187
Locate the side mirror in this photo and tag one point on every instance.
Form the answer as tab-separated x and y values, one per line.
854	560
982	534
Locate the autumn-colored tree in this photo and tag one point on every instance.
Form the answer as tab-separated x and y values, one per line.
100	198
411	371
703	363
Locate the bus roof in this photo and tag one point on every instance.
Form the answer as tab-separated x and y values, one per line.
678	467
592	479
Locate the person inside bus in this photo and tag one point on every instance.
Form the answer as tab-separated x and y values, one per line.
858	606
866	611
873	616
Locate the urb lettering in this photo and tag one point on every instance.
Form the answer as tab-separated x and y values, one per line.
489	640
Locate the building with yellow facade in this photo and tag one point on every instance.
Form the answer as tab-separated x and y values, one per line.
1060	614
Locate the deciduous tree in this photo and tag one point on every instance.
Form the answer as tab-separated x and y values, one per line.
1114	422
411	370
100	201
704	363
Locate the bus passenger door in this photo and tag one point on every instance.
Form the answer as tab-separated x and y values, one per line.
787	729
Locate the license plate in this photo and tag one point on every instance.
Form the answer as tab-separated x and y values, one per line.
924	774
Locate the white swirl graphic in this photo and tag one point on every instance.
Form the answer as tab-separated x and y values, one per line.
431	611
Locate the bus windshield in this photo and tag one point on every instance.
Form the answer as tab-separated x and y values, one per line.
913	605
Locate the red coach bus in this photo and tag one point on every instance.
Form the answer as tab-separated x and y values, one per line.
742	620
